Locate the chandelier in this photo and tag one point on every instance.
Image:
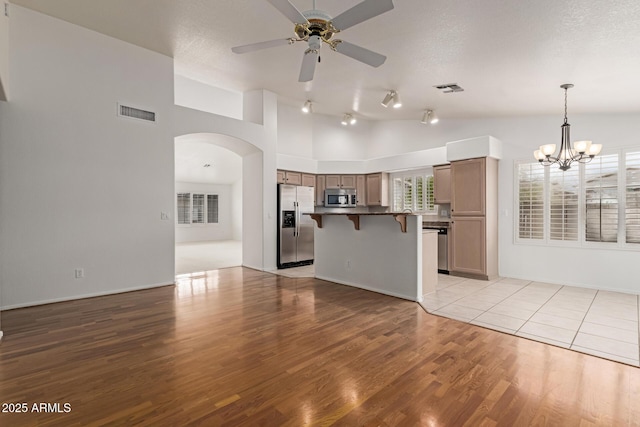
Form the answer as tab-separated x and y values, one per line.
582	151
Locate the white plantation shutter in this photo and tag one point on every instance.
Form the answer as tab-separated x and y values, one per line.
398	194
601	199
530	201
197	209
563	203
407	202
429	204
212	208
184	208
632	209
419	194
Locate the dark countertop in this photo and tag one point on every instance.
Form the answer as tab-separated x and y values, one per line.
360	213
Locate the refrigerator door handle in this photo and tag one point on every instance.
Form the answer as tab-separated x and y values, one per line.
297	230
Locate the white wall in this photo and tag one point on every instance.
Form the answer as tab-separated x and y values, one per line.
199	96
223	230
295	132
236	210
333	141
4	55
79	186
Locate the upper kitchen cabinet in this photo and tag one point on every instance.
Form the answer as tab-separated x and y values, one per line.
378	189
442	184
289	177
468	181
308	180
361	190
341	181
321	184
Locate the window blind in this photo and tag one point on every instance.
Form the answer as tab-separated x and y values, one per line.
184	208
398	194
419	193
530	201
601	199
407	202
212	208
632	209
197	209
563	201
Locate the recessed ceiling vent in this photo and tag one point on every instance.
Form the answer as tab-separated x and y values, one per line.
136	113
449	88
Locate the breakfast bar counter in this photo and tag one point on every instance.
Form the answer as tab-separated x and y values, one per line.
385	252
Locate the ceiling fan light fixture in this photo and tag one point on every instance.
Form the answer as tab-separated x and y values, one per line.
307	107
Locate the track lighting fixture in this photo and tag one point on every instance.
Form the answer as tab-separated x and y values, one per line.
392	98
429	117
307	107
348	119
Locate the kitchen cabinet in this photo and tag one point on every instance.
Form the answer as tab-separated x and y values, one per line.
474	218
378	189
468	187
361	190
468	251
308	180
442	184
341	181
289	177
321	184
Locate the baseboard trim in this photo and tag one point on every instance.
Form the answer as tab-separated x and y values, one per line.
368	288
83	296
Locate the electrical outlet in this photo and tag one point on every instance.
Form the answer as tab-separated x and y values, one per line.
79	273
164	216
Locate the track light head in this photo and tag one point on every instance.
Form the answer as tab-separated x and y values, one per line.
392	98
307	107
429	117
348	119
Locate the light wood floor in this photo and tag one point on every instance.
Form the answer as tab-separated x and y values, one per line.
241	347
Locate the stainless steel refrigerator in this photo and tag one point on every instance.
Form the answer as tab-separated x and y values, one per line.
295	231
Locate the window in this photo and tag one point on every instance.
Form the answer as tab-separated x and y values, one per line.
563	200
197	208
601	199
531	201
589	203
632	208
184	208
212	208
413	192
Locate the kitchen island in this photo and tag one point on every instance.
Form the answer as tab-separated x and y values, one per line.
385	252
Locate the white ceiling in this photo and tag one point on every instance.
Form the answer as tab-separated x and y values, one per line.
509	56
191	156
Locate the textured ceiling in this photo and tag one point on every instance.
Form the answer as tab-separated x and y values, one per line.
509	56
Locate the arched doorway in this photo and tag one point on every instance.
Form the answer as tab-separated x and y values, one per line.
209	187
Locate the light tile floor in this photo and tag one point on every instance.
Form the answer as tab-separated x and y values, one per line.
601	323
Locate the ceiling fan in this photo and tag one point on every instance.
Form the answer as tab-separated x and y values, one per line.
315	27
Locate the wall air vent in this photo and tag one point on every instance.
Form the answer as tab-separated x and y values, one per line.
449	88
136	113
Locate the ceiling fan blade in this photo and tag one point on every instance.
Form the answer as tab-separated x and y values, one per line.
290	11
361	54
361	12
308	68
259	46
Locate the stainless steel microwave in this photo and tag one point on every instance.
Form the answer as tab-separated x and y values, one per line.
340	198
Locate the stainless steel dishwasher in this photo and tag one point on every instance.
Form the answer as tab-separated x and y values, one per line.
443	247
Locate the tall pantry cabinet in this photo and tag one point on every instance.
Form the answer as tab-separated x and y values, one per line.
474	218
